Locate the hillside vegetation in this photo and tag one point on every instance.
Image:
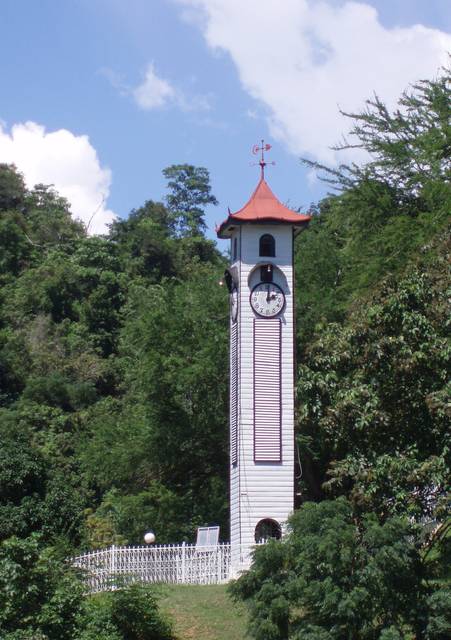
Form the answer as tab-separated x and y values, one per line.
113	356
114	394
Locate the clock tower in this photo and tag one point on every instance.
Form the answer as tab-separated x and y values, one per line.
260	283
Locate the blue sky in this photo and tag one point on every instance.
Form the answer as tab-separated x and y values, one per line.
113	91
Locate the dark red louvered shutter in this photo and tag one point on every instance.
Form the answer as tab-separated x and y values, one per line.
267	390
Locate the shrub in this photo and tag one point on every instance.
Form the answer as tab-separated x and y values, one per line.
126	614
340	576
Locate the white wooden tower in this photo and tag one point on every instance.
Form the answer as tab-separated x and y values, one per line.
260	283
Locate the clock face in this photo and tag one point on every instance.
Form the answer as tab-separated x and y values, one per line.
234	304
267	299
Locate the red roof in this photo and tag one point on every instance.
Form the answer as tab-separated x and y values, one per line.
262	207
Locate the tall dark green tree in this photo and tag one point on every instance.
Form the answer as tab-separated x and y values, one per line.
12	188
145	242
49	218
189	193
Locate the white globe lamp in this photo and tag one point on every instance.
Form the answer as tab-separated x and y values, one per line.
149	537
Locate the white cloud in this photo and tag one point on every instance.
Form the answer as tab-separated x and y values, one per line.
155	92
67	161
305	59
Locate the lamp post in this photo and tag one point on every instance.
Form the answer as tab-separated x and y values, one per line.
149	537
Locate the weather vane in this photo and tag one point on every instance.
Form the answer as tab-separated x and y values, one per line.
256	149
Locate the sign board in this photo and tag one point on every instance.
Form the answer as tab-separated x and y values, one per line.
207	536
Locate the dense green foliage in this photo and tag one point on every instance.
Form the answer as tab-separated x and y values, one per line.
338	577
113	360
372	384
38	596
373	398
42	599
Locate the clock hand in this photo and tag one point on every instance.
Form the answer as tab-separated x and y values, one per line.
268	297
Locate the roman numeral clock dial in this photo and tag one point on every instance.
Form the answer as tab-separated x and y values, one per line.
267	299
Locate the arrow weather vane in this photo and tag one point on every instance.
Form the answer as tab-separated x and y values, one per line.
256	149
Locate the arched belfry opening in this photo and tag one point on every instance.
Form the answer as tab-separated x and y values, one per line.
267	246
266	529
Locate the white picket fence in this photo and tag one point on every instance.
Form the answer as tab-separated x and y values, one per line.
109	569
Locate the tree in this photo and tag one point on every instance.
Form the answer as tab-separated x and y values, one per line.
379	249
31	223
37	491
145	241
318	269
49	219
124	517
338	576
15	250
165	441
40	596
182	376
408	149
65	298
12	188
384	211
150	246
372	416
189	192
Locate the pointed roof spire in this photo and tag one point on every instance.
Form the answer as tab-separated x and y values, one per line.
263	207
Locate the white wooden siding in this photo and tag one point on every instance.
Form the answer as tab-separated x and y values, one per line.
267	390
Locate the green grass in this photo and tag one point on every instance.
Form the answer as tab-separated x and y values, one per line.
203	612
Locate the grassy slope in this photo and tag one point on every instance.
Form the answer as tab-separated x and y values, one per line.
203	612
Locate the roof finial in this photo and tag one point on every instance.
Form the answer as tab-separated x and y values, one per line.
256	149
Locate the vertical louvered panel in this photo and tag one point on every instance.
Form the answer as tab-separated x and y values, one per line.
234	394
267	390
